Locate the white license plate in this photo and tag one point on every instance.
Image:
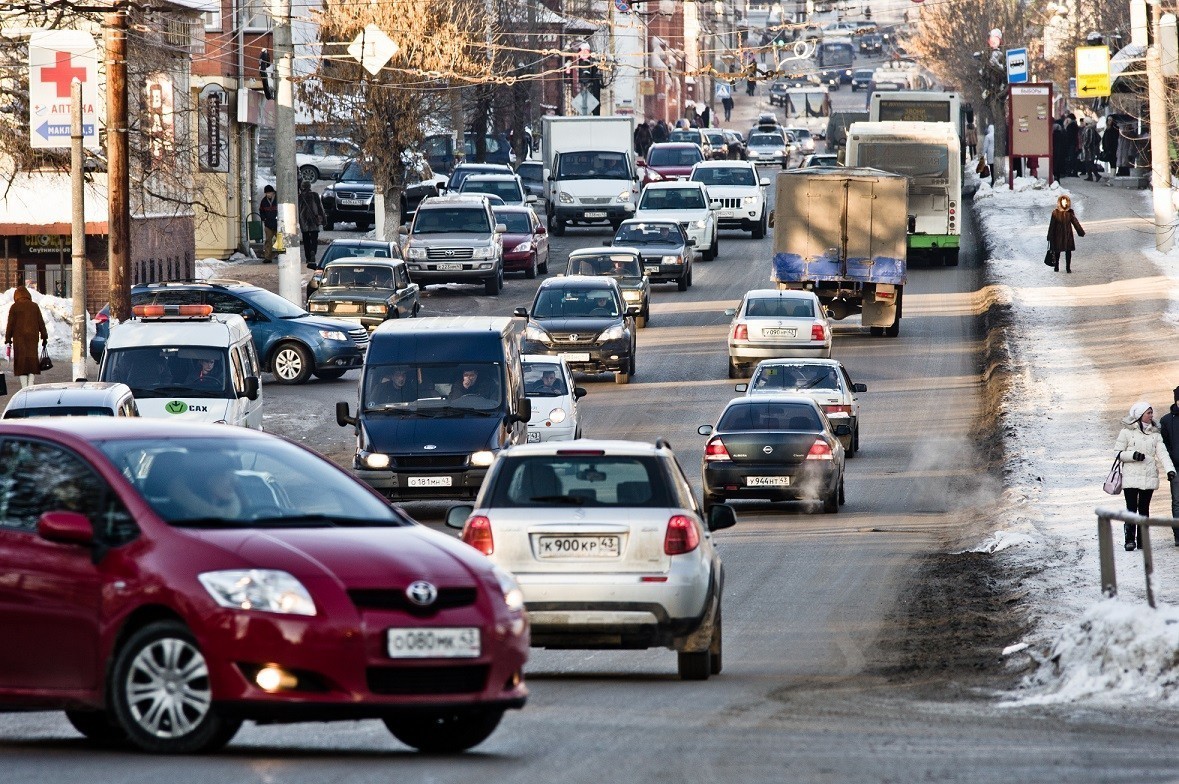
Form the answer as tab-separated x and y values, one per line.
450	266
576	356
767	481
778	333
651	269
577	546
460	643
429	481
353	202
533	438
595	214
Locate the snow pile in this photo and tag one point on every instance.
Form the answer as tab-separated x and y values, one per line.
209	269
58	314
1001	540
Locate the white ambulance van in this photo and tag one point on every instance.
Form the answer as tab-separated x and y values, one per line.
184	362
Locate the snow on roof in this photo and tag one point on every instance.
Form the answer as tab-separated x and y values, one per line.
40	203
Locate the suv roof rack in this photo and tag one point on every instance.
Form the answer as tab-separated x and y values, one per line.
190	281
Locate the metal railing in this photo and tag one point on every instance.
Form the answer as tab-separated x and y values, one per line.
1105	542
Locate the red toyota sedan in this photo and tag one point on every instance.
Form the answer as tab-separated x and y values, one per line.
674	160
526	241
162	583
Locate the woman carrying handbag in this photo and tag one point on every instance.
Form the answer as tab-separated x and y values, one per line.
25	325
1141	450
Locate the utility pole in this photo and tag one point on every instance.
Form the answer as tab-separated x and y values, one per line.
289	278
118	171
1160	159
78	234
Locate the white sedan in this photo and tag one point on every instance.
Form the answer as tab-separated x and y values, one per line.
826	381
686	203
773	323
741	192
549	385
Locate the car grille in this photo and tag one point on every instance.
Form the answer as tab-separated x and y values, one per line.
359	337
349	195
395	599
449	254
462	679
596	200
573	338
432	462
730	204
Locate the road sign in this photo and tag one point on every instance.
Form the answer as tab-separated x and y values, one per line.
585	102
1017	66
56	58
373	48
1092	71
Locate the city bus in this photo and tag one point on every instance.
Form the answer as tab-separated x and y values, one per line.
836	57
920	106
928	154
808	107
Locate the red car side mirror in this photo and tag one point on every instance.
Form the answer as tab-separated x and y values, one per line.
66	528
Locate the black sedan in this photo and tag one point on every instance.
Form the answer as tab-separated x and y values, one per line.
584	320
667	252
776	448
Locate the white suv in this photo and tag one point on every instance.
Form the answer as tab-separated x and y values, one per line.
688	204
741	192
609	545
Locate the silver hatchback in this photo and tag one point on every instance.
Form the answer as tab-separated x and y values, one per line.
610	546
771	323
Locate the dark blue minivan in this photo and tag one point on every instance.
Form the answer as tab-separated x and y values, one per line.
438	399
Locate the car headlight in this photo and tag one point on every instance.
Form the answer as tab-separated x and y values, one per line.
564	198
523	247
749	200
700	224
332	334
513	596
374	460
624	196
614	333
487	252
557	415
266	590
754	154
671	260
317	307
632	296
535	333
415	253
482	458
376	309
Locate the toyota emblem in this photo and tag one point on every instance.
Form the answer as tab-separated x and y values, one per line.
448	252
767	449
421	593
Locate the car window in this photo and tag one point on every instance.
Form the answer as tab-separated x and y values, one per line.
239	372
544	379
672	199
726	175
795	376
554	302
769	416
765	139
508	190
443	220
433	389
673	156
167	297
226	303
532	173
581	480
779	307
401	277
268	301
353	172
619	265
169	371
38	477
57	411
649	234
358	276
516	222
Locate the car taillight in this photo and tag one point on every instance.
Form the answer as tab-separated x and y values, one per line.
477	533
715	450
101	318
682	536
820	450
740	332
817	332
839	409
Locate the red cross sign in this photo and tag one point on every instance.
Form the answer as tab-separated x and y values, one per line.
62	74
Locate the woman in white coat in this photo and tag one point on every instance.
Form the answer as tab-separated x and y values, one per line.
988	150
1141	449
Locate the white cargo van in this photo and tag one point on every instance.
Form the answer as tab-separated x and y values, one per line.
183	362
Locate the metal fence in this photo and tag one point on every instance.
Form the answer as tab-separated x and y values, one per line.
1105	541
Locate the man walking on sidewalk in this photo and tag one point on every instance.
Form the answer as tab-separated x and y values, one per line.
311	218
268	211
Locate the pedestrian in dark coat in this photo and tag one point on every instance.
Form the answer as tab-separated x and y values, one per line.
25	325
268	211
1109	142
311	218
1090	149
661	133
1169	429
1060	233
1059	153
1072	143
642	139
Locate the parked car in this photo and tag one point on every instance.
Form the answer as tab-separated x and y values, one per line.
741	191
456	239
73	399
229	576
634	568
346	248
506	186
525	241
771	323
548	382
319	159
673	160
774	448
583	320
826	381
686	203
666	250
351	198
625	265
531	173
366	291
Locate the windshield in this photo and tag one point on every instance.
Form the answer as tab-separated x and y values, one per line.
779	307
715	137
339	251
674	156
618	265
766	140
451	220
794	376
685	136
508	190
368	276
582	480
672	199
544	379
231	482
531	172
908	158
57	411
516	222
807	104
170	371
353	172
434	389
593	166
725	175
649	234
770	416
554	302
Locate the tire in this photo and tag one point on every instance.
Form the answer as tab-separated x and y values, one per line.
710	501
634	350
951	257
689	276
759	231
97	726
329	375
876	331
842	495
362	225
492	285
530	273
734	369
894	330
621	378
709	253
544	268
161	652
640	321
445	733
615	225
682	284
308	173
647	313
694	666
715	245
292	363
856	439
558	227
831	502
716	647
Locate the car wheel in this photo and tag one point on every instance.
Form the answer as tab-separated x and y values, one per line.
715	245
530	273
647	313
330	375
640	321
445	733
615	225
161	695
544	268
682	284
308	173
711	501
694	665
709	253
558	227
716	647
894	330
831	502
950	257
362	225
856	439
292	364
621	378
876	331
734	369
98	726
759	231
689	276
492	285
633	351
842	495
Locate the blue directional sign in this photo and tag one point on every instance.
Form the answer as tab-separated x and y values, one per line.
56	131
1017	66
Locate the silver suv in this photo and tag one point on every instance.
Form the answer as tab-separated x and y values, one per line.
609	545
455	239
322	158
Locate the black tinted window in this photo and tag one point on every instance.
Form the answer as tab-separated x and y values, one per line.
770	416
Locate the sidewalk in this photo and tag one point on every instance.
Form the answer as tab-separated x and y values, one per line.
1083	348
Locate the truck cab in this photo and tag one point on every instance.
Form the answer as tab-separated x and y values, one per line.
590	174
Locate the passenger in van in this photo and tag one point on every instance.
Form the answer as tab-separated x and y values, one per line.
469	383
394	385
